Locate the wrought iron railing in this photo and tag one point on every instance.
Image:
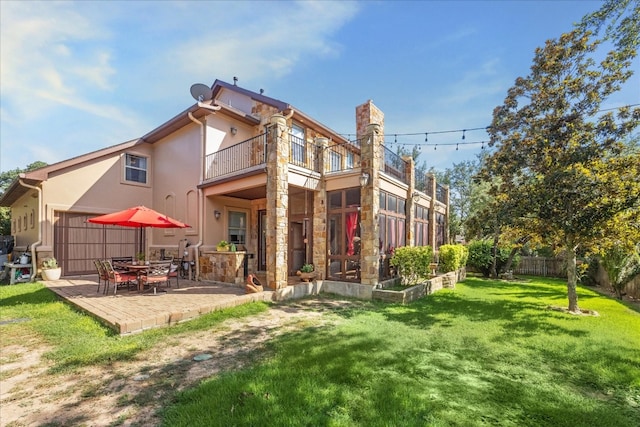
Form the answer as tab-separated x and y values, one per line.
394	165
343	157
441	193
303	153
236	158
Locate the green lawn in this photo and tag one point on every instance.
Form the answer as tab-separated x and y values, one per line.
485	354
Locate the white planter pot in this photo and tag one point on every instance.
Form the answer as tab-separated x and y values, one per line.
52	274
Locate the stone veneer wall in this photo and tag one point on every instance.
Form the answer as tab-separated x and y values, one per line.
227	267
277	202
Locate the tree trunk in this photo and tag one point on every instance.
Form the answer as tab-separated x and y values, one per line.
572	278
494	260
514	251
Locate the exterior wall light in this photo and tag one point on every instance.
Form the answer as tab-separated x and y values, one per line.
234	130
217	214
364	179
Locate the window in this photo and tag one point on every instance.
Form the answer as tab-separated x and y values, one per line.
297	145
237	227
350	160
135	168
422	226
391	221
335	161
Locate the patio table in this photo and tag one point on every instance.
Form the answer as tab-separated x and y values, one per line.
138	269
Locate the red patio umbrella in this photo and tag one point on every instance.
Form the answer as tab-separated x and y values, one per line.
139	216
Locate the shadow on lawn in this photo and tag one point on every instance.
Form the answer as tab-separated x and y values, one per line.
38	296
522	317
363	377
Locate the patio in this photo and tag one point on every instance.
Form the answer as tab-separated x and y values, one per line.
130	311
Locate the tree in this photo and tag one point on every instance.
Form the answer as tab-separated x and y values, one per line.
621	265
560	162
6	178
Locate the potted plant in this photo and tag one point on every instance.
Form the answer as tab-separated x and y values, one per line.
306	272
222	246
50	269
140	257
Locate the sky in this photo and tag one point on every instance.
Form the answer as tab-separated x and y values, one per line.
79	76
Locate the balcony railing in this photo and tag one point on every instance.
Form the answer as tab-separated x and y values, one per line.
441	193
343	157
236	158
303	153
394	165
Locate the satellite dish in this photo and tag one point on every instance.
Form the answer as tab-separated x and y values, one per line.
201	92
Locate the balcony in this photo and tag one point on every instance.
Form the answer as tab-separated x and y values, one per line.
241	157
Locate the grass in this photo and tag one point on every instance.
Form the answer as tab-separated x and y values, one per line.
488	353
76	339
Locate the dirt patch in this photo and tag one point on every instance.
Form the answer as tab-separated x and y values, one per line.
131	393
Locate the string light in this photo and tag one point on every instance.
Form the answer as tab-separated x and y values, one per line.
463	131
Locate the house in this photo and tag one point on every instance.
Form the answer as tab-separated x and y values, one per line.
246	168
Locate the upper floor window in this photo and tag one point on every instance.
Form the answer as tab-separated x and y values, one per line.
335	161
135	168
297	144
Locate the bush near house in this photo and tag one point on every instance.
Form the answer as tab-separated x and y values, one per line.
412	263
452	257
480	256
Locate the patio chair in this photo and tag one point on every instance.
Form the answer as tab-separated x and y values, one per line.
119	262
102	275
157	273
118	278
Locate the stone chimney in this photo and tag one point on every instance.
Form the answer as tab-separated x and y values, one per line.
367	114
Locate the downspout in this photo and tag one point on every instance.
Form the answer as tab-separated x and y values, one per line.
200	192
40	220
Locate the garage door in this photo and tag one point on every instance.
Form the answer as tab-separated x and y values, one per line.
77	242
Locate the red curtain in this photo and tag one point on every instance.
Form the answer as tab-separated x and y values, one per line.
352	225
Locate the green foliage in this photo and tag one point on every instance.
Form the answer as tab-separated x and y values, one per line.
452	257
412	263
621	265
560	161
306	268
481	256
49	263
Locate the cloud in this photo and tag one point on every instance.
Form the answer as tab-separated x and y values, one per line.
272	40
50	56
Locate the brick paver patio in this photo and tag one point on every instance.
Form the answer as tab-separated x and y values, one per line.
130	311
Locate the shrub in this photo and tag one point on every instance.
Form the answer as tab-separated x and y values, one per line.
480	256
452	257
412	263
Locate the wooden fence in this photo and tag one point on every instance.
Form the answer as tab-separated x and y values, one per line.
541	266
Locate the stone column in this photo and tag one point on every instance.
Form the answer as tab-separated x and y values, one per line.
277	232
320	212
371	151
410	205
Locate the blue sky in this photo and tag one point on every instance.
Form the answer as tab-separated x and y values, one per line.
80	76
